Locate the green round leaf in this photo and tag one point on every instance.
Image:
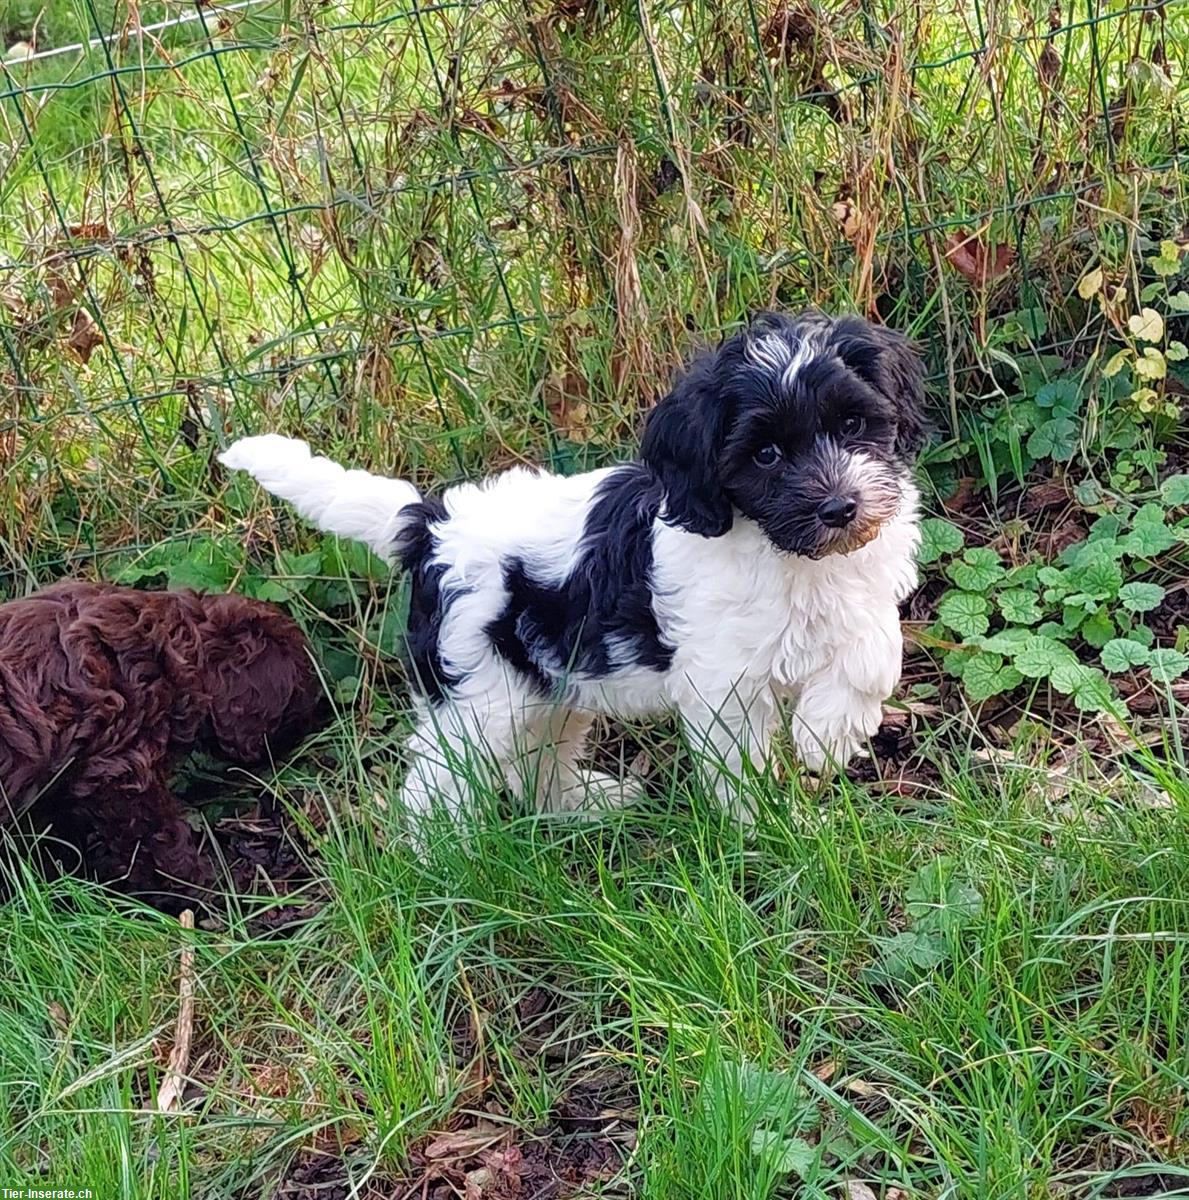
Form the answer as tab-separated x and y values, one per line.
1105	528
1099	629
1121	654
965	613
987	675
1168	664
1095	573
1040	656
1148	540
1088	493
1092	692
912	951
1006	641
1062	394
979	570
940	901
1174	491
785	1155
938	537
1088	687
1140	597
1057	439
1143	635
1149	514
1019	606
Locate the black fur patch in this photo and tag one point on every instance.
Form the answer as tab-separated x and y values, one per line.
599	618
428	600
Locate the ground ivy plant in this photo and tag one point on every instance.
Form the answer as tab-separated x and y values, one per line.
1071	623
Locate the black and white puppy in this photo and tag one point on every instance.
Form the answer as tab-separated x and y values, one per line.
755	553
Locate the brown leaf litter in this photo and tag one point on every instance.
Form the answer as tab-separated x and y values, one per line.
978	262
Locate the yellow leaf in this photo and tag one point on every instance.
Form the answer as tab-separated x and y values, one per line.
1170	250
1152	365
1176	352
1148	325
1115	365
1091	284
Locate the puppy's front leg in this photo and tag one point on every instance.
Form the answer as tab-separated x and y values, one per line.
726	731
841	705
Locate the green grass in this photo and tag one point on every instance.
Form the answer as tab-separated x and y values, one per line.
731	983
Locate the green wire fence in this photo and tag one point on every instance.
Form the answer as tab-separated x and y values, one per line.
433	237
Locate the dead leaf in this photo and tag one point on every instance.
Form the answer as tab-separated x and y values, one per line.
1147	325
59	1017
466	1143
962	497
89	231
846	213
270	1080
506	1160
84	335
858	1191
1091	283
825	1071
1062	536
63	289
860	1087
1050	64
565	400
1051	493
978	263
477	1183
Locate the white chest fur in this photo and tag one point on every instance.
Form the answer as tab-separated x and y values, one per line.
737	607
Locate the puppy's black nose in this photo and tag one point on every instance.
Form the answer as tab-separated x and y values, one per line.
837	511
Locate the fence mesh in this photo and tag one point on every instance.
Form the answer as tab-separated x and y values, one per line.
433	236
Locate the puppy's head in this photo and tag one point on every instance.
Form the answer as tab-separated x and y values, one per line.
807	426
264	692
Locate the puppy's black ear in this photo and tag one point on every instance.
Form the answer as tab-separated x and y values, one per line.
683	438
887	360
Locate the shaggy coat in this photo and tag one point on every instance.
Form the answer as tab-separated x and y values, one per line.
102	687
754	554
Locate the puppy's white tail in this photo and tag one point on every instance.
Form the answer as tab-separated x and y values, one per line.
353	504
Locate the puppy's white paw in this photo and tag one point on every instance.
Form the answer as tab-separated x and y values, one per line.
593	792
267	454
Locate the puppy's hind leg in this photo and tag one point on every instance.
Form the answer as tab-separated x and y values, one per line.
567	785
468	749
449	762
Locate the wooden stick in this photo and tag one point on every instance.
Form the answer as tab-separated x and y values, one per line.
170	1096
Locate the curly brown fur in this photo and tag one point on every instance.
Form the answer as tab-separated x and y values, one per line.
102	687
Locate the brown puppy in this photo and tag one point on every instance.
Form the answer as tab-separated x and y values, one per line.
102	687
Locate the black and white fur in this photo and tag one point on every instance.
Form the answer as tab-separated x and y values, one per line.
756	553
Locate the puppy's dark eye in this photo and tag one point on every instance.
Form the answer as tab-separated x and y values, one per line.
767	456
852	426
